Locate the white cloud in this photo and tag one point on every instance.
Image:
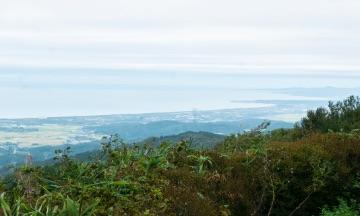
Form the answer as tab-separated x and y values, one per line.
238	44
192	35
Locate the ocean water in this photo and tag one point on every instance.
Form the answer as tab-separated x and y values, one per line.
31	92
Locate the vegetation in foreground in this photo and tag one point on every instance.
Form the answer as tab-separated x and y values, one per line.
313	169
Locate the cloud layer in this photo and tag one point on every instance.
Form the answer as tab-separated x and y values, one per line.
203	35
88	57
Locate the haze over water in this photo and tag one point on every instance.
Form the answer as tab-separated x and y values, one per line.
73	92
103	57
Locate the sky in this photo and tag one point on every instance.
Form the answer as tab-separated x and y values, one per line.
114	56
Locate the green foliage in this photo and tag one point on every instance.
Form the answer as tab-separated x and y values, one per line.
43	207
250	174
251	141
254	173
202	162
340	116
342	210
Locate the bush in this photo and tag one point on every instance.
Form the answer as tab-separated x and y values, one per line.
342	116
342	210
285	172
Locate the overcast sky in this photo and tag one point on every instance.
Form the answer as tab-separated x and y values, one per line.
197	44
187	34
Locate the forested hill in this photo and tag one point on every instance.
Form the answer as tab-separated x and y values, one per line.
311	169
200	139
197	140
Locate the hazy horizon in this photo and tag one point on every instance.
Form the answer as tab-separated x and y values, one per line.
38	93
111	57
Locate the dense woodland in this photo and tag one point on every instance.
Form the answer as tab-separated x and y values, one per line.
312	169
